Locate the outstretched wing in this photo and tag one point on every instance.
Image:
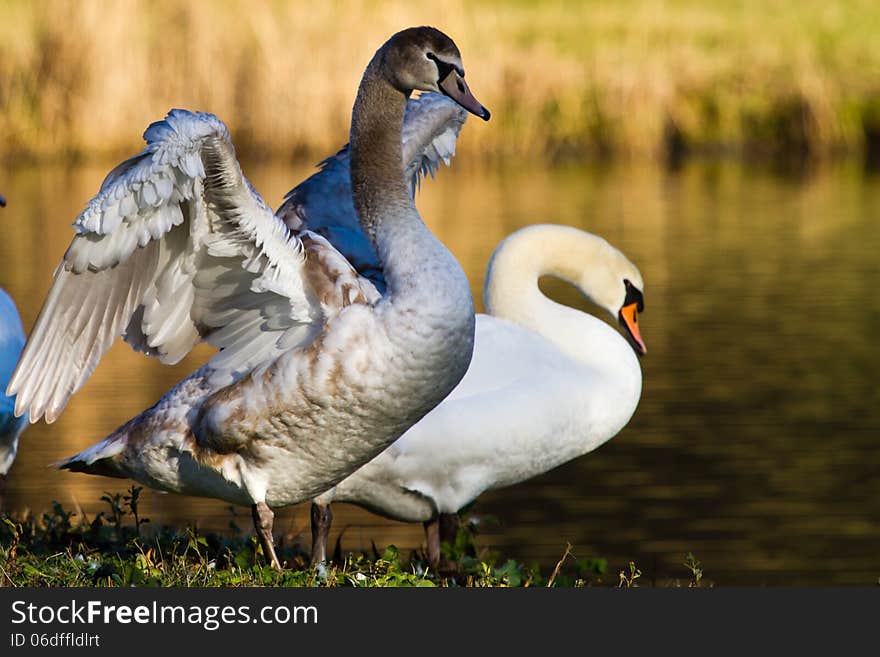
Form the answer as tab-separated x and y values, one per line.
322	203
175	248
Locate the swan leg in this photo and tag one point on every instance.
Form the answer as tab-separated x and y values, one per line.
449	524
322	518
442	528
432	536
263	519
2	493
448	531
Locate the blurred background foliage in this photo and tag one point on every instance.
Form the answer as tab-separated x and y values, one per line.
645	79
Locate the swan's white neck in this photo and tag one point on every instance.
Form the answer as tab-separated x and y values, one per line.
511	292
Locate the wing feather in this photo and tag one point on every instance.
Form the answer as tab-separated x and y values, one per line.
175	248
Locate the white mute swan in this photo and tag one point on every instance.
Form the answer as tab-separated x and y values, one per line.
547	384
11	342
316	374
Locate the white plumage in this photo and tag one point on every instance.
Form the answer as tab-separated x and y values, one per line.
168	254
546	384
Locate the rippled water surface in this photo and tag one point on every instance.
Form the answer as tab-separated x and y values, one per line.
757	441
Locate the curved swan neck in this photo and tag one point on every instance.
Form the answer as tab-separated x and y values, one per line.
511	292
378	185
511	289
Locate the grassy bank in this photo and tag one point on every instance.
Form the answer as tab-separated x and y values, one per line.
117	547
643	78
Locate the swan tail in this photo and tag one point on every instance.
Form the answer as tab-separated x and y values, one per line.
103	458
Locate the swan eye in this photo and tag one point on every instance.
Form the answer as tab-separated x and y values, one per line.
633	295
444	68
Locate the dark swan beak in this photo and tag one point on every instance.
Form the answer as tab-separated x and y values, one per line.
454	86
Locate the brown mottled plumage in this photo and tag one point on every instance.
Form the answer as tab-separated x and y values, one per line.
315	374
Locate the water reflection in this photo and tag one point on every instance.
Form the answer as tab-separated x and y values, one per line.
754	443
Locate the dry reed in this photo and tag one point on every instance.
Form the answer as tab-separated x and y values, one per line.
635	77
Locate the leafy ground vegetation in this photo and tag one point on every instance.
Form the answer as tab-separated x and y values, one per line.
118	547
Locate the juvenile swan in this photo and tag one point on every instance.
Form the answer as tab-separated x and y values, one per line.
316	374
547	384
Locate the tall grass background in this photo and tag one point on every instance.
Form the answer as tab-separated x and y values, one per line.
637	78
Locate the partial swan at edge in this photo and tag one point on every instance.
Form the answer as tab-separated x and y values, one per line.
12	340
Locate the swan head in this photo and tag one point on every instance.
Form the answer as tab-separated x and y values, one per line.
617	286
425	59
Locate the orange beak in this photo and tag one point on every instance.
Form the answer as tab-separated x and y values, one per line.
629	317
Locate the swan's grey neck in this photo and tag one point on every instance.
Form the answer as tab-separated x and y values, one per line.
378	185
420	273
427	310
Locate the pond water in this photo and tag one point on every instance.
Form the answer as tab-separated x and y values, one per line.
755	445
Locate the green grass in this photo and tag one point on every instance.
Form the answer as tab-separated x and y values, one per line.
118	548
